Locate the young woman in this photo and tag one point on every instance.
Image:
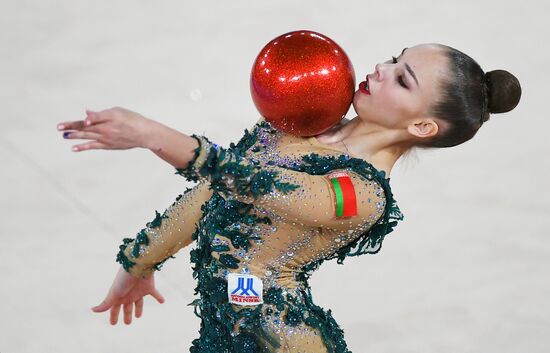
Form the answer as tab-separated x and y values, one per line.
267	211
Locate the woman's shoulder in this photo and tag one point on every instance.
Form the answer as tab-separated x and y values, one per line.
267	144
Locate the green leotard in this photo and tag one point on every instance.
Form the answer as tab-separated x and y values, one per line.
266	211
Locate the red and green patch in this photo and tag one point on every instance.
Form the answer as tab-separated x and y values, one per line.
344	192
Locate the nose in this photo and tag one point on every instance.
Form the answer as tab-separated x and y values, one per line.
378	72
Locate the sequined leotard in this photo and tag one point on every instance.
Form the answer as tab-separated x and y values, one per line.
265	207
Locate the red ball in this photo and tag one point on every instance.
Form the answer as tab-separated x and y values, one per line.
302	82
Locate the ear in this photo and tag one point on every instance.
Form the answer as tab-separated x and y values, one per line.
423	128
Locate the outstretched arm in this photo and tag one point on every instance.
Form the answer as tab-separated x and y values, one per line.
119	129
288	192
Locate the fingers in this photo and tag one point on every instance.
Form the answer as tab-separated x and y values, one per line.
83	132
156	294
92	118
115	310
104	306
139	307
127	309
94	145
88	135
70	125
128	312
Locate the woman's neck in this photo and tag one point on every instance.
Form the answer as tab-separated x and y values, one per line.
371	142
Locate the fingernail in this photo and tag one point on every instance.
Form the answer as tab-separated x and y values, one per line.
88	122
75	148
60	127
66	134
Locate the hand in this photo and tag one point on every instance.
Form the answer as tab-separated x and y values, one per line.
115	128
128	290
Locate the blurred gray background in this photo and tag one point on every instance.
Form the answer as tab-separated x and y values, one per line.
466	271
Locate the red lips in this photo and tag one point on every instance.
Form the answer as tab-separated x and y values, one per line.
363	87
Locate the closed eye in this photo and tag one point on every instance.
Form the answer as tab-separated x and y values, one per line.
399	78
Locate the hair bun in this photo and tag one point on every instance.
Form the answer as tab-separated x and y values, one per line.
504	91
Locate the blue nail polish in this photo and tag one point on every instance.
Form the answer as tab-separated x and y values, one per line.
65	134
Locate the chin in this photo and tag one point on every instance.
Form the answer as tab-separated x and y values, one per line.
362	113
354	101
356	96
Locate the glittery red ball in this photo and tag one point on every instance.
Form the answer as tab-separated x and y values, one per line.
302	82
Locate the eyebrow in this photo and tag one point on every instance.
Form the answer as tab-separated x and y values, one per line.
409	68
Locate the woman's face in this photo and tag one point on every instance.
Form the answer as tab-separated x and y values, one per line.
402	92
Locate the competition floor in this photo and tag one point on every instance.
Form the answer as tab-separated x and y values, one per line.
467	271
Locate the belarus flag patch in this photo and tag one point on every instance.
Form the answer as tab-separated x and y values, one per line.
344	192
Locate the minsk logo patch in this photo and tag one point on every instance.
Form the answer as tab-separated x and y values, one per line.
344	192
244	289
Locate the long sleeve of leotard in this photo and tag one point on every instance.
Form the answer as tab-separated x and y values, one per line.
341	201
166	234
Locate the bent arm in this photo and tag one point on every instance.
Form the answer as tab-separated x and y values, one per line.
166	234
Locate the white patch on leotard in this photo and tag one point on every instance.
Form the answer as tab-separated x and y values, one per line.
244	289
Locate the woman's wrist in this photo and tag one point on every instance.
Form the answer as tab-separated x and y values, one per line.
152	135
169	144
